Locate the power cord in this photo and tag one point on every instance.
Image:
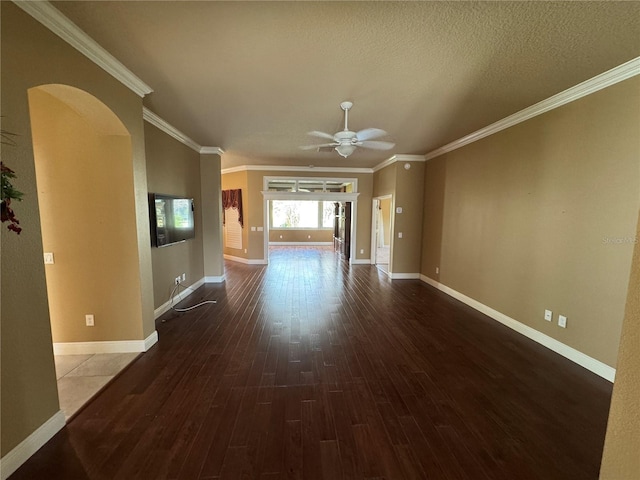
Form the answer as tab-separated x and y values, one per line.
186	309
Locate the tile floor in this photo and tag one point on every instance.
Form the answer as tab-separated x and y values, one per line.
80	377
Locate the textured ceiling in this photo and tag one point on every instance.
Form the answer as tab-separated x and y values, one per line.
254	77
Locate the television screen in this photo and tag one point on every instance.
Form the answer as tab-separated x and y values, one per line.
171	219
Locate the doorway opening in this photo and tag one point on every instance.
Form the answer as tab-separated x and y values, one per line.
381	236
84	176
310	212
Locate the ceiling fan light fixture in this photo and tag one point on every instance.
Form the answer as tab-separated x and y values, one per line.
345	150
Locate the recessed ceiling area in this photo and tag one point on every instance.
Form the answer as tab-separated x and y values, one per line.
255	77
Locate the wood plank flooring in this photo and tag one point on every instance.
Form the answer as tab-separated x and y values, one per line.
313	369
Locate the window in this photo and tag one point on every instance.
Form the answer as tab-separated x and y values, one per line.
301	214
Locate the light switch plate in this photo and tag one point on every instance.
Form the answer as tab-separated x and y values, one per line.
562	321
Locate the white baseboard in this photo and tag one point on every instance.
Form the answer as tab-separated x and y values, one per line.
150	341
116	346
360	261
215	279
246	261
166	306
30	445
404	276
576	356
301	244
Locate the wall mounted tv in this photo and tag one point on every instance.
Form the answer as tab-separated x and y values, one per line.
171	219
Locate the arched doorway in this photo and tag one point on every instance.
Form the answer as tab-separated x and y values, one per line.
84	176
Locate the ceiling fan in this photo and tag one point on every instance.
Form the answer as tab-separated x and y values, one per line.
346	141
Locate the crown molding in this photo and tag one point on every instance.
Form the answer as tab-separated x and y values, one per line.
604	80
293	168
211	150
399	158
54	20
169	129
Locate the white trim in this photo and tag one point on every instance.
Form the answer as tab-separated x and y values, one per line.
360	261
115	346
595	366
214	279
404	276
302	244
246	261
211	150
151	340
606	79
266	179
292	168
399	158
30	445
338	196
169	129
54	20
166	306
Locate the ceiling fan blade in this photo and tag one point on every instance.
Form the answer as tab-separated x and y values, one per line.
316	133
313	147
370	134
377	145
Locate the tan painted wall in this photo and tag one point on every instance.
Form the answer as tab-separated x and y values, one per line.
210	188
174	169
434	187
535	218
254	208
408	196
232	181
31	56
292	235
621	458
83	223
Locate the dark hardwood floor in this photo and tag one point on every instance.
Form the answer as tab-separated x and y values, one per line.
313	369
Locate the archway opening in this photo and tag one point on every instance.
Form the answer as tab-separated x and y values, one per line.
84	175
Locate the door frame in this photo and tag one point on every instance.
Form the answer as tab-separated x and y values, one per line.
375	202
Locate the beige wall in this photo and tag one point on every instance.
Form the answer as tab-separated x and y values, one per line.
535	218
210	188
174	169
31	56
302	236
253	203
621	458
434	187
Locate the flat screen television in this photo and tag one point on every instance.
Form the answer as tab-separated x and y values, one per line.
171	219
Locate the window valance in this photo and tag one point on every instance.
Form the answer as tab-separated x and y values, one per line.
232	199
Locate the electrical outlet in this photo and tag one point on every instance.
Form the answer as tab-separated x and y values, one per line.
89	320
399	234
361	251
184	277
176	280
562	321
48	258
437	270
548	315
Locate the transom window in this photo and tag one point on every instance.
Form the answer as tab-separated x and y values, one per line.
310	185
